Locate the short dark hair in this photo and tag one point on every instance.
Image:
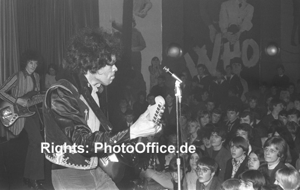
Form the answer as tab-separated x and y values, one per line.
248	113
241	143
202	113
246	127
209	162
255	176
220	131
236	60
275	102
252	98
280	66
91	49
52	66
205	132
233	107
260	155
217	111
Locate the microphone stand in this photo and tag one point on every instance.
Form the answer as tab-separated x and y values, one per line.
178	115
178	95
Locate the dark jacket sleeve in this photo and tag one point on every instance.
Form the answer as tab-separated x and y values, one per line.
228	170
66	118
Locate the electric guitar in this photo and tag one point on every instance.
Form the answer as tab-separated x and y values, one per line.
10	113
110	163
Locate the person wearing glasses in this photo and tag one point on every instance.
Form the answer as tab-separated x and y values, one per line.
73	117
206	170
275	153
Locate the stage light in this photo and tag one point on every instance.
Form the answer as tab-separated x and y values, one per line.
272	49
174	50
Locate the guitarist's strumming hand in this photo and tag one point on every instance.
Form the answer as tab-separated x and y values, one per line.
23	102
144	126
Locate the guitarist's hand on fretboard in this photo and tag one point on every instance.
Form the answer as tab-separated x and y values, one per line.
22	102
149	122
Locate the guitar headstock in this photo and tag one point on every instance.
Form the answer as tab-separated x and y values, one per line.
157	109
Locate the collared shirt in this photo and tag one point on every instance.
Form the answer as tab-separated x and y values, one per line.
206	185
236	164
92	120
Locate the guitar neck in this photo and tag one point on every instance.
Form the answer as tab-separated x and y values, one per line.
36	100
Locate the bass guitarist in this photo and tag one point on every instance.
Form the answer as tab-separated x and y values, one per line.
13	89
72	113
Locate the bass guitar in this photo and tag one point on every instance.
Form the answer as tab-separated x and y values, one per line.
111	164
10	113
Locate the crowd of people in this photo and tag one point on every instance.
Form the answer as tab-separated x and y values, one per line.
249	142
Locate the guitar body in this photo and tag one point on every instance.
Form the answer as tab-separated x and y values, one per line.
116	169
10	113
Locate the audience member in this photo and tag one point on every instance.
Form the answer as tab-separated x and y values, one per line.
232	122
231	184
256	159
203	79
206	170
288	178
280	79
238	163
155	70
275	152
189	181
233	80
161	88
217	151
50	77
252	180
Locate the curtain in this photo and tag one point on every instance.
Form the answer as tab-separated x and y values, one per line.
9	52
47	25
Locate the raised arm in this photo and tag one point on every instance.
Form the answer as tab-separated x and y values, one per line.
62	111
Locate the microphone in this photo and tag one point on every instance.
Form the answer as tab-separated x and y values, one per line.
172	74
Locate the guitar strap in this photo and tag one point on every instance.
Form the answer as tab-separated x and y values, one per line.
33	81
35	106
85	91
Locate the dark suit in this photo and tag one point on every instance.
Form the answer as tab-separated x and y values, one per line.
235	82
230	128
221	158
271	176
219	90
215	184
229	167
281	81
170	118
205	81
